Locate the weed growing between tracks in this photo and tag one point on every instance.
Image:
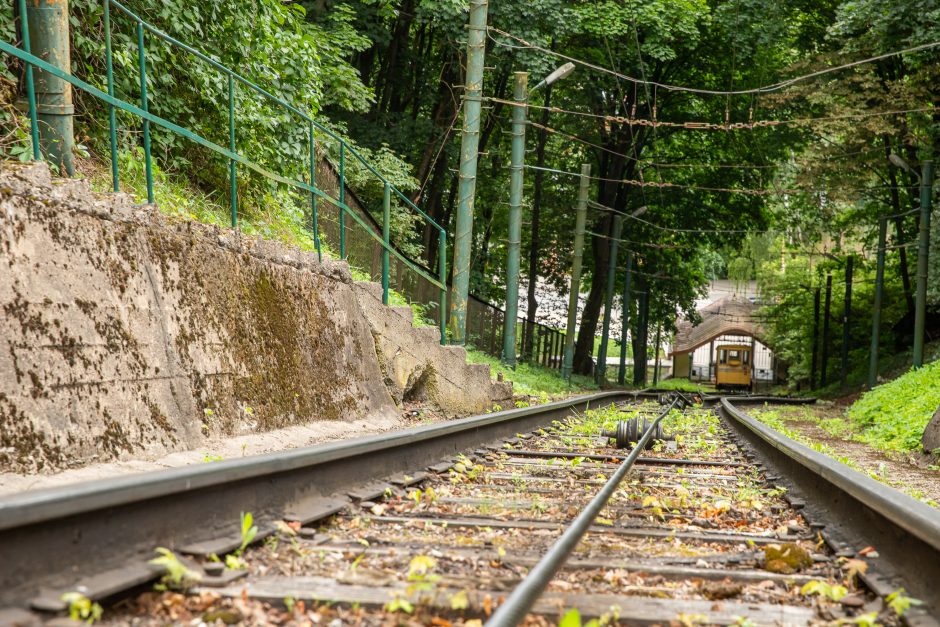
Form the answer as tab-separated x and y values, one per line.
445	551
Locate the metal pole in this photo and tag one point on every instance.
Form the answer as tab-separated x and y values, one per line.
342	201
517	160
142	63
600	374
876	308
30	84
659	331
233	181
640	371
568	359
813	364
463	236
625	322
386	232
920	311
825	338
112	119
313	200
442	279
846	317
48	32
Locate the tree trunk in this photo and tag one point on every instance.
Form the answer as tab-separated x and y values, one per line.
536	219
899	227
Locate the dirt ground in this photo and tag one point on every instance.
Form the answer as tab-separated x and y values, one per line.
915	474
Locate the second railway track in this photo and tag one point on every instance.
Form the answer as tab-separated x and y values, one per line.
710	526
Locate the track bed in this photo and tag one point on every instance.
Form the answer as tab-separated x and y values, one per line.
695	534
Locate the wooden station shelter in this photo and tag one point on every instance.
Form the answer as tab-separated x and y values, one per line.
726	322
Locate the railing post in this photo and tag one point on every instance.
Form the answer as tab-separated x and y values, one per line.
386	232
112	116
442	278
30	85
876	307
47	27
313	195
342	200
142	63
233	182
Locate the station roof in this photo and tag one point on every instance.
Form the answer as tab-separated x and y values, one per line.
731	315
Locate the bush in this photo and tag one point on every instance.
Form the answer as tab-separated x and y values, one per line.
893	416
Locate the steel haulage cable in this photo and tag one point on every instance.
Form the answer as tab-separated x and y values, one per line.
520	602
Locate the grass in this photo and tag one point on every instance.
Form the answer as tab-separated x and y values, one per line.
892	416
838	428
683	385
544	383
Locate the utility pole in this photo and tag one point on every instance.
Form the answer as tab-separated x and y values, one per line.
639	356
625	322
568	359
659	333
813	364
923	248
876	308
48	37
517	160
825	340
600	373
846	318
469	145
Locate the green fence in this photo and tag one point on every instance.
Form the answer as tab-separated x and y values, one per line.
236	160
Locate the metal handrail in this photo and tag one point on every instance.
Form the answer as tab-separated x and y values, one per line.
143	27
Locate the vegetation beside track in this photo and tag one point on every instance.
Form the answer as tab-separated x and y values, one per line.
782	420
535	381
892	416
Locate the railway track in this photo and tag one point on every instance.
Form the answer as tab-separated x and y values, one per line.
716	524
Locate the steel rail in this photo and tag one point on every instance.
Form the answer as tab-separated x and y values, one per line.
523	597
60	537
905	532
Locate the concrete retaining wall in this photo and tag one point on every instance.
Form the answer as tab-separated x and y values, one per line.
126	334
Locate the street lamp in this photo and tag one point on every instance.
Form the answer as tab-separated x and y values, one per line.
923	248
517	163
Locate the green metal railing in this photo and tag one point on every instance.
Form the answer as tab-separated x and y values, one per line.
231	153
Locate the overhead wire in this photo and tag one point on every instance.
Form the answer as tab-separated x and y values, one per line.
747	191
696	90
697	125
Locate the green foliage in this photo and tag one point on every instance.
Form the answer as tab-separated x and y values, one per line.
81	608
824	590
533	380
177	576
899	602
893	415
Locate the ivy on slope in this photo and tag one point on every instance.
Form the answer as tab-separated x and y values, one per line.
893	416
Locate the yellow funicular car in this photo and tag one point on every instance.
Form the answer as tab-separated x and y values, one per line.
734	367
